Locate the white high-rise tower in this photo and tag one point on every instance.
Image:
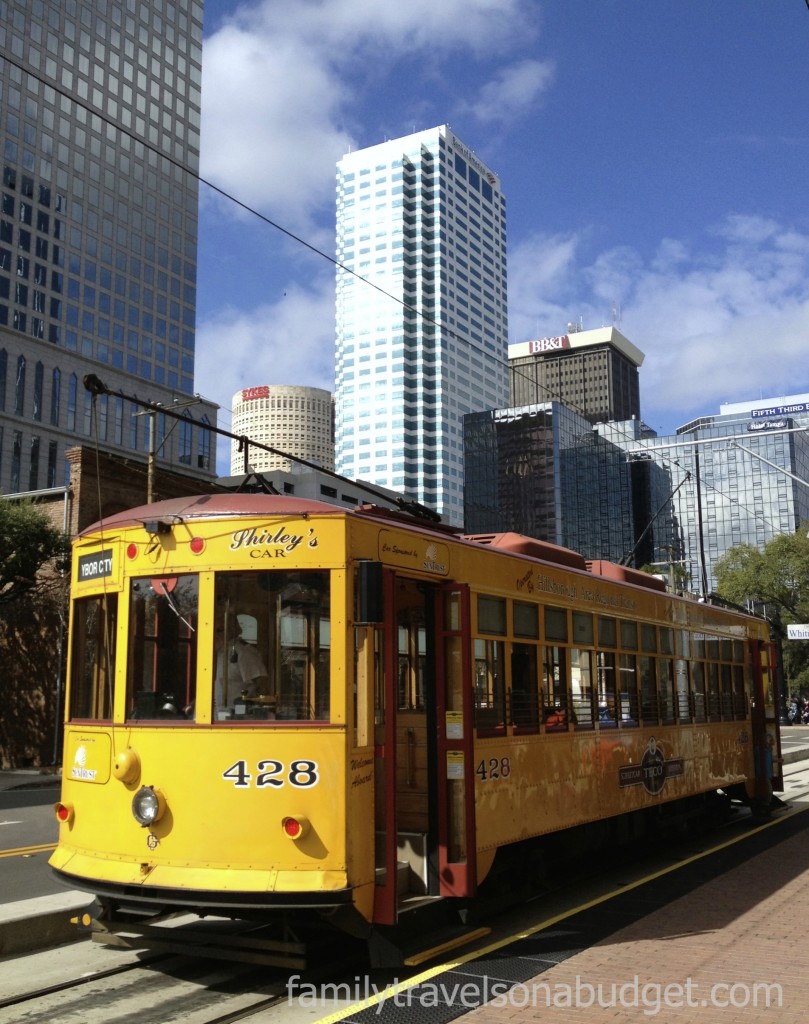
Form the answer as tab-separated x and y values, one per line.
422	318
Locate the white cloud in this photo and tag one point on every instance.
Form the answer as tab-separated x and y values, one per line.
287	342
268	129
281	83
719	319
342	26
726	325
540	274
513	92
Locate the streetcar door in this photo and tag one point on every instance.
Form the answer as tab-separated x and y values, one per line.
424	774
405	806
455	769
766	725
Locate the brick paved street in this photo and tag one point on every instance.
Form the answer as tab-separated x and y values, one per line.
703	957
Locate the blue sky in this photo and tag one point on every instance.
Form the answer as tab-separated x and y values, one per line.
654	156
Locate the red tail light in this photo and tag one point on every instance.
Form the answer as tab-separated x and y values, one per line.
64	813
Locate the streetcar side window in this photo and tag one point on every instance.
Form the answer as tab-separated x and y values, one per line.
648	690
607	699
699	710
490	669
555	706
605	672
523	695
93	657
740	709
581	687
726	695
162	657
628	689
523	688
666	684
490	712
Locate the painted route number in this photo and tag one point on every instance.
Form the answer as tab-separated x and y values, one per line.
301	774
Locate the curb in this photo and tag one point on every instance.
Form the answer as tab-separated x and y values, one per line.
12	781
41	922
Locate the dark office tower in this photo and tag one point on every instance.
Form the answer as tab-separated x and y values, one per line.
99	119
595	373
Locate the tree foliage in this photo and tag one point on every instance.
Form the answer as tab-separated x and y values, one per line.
774	581
676	576
28	541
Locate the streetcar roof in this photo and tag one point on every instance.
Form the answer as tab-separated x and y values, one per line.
204	506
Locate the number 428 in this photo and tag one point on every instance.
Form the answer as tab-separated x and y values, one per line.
493	768
301	774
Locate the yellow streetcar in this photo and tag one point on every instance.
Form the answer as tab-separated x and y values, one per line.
279	708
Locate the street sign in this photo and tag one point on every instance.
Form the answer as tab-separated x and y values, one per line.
798	632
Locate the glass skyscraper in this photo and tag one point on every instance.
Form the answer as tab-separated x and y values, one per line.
544	471
619	492
741	477
421	313
99	121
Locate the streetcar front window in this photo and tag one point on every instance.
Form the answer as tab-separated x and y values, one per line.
92	657
272	646
162	662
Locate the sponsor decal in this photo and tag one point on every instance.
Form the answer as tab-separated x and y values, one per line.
432	562
652	772
79	769
431	557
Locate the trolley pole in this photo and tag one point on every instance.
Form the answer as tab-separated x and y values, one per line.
150	459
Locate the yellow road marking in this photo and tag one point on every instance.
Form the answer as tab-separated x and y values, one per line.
445	947
26	851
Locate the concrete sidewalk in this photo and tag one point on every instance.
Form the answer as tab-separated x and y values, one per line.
31	925
34	924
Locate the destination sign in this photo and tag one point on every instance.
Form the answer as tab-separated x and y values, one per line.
95	566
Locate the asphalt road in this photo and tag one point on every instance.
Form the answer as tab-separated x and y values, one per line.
794	737
27	820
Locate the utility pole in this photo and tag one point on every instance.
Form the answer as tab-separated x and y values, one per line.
151	458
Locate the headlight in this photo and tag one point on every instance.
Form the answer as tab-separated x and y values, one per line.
148	805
